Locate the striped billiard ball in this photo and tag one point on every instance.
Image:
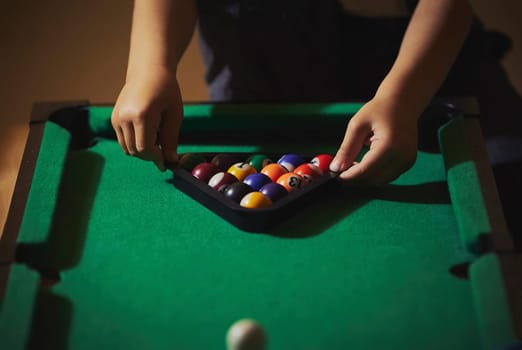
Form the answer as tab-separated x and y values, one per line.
241	170
322	161
221	180
290	161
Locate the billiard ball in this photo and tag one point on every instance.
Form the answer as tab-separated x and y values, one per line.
241	170
237	191
308	171
221	180
322	161
189	160
224	161
259	161
290	161
255	200
274	171
291	181
256	180
274	191
204	171
246	334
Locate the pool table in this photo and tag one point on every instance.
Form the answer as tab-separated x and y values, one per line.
101	251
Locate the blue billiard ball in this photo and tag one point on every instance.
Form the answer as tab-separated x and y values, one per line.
257	180
290	161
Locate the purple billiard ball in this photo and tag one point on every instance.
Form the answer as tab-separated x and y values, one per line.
290	161
257	180
204	171
274	191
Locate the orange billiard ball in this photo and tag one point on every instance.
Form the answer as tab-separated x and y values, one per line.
274	171
291	181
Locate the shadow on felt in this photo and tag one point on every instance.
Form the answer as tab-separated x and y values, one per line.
317	217
64	245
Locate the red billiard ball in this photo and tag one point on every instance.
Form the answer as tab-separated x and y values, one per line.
241	170
308	171
221	180
204	171
291	181
256	180
255	200
322	161
274	191
274	171
290	161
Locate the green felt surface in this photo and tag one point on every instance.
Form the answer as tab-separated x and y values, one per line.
464	185
17	308
145	266
492	305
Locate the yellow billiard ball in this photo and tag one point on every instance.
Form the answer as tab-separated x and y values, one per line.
241	170
255	200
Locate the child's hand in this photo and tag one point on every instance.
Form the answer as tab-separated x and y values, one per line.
390	129
148	114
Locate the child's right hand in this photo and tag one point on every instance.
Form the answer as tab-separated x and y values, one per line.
147	116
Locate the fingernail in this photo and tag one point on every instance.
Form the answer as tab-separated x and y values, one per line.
335	165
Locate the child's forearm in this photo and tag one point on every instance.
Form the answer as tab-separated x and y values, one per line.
161	31
430	45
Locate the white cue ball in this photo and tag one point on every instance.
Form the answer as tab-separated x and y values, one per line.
246	334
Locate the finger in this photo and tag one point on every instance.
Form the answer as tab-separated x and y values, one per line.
121	139
118	131
169	132
371	167
146	145
129	137
354	139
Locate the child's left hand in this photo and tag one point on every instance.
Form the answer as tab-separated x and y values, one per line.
389	128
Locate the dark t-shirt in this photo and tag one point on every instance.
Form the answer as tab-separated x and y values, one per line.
306	50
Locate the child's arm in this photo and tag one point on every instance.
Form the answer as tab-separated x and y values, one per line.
388	123
148	112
